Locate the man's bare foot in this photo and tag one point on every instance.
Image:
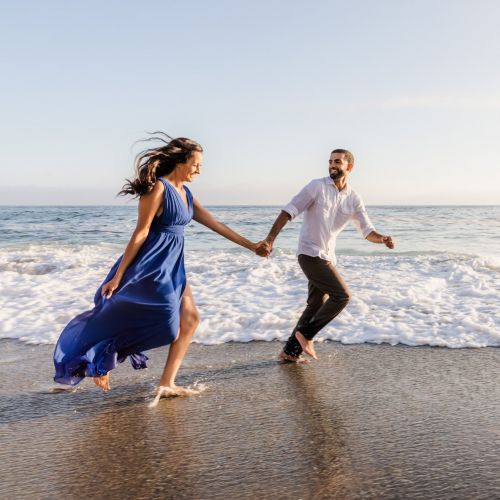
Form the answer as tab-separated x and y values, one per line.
307	345
102	382
286	358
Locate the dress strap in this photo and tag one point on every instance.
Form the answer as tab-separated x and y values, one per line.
189	195
163	181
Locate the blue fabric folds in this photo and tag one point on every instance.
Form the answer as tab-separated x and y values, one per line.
143	313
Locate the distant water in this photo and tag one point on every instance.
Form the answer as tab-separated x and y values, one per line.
439	287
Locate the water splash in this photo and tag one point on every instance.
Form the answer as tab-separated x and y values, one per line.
170	392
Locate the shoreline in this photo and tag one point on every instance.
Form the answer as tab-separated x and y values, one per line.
369	421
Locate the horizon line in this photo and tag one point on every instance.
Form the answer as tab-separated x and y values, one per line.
8	205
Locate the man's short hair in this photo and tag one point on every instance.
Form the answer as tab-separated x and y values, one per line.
349	156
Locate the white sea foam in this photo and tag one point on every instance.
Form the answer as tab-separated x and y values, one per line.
440	300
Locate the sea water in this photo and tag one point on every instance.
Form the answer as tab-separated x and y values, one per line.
440	285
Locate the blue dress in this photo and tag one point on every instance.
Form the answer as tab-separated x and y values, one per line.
143	312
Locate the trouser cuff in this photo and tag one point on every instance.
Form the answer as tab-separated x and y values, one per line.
308	331
292	347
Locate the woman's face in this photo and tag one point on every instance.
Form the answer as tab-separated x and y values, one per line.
191	168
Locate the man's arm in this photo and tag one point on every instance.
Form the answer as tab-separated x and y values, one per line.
375	237
278	225
365	226
266	246
297	205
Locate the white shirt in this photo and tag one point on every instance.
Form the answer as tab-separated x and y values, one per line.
326	212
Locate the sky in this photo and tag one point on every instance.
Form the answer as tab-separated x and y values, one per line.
269	88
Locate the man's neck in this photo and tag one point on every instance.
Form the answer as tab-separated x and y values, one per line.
341	183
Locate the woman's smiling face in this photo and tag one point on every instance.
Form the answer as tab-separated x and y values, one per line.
191	168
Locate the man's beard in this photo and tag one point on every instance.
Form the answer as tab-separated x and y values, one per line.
337	174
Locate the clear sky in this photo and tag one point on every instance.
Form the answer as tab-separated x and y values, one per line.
268	87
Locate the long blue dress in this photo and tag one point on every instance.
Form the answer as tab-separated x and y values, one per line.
143	312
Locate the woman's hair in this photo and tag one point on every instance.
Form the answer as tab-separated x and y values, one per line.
157	162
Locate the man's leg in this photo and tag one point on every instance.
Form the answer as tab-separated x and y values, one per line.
324	276
315	299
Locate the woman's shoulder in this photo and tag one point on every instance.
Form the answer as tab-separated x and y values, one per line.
160	183
157	190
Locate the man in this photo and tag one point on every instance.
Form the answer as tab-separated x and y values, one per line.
328	204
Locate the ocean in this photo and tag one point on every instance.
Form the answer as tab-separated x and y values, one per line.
439	287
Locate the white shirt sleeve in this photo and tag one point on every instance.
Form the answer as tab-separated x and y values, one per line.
301	201
361	220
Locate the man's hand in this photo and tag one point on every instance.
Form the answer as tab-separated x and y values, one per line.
387	241
264	248
375	237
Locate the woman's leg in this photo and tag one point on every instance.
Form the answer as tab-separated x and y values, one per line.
190	320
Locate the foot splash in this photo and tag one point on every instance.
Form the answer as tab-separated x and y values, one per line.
171	392
286	358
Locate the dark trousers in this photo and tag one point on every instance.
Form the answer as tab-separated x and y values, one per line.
328	295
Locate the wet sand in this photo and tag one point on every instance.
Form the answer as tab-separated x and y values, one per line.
365	421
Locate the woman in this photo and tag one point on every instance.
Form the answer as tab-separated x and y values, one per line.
145	302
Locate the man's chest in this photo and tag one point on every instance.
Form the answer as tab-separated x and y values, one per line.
334	206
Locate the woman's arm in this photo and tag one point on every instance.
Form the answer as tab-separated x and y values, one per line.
149	204
203	216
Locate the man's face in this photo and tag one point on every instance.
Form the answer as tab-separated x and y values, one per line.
338	166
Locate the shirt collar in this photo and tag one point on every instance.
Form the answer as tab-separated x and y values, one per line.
345	192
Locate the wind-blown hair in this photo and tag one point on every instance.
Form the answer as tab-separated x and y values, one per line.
158	162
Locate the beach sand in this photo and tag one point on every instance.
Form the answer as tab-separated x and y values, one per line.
364	421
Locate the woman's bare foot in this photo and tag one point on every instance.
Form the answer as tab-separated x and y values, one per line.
176	390
286	358
164	391
307	345
102	382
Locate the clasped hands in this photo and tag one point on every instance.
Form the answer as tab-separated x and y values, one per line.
263	248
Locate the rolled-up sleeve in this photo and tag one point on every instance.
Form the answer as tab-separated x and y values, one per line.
300	201
361	220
